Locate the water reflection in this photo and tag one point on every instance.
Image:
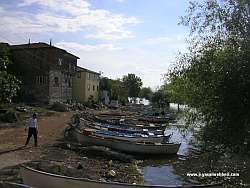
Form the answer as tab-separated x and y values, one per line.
163	175
162	171
173	171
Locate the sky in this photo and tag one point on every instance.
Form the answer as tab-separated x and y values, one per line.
114	37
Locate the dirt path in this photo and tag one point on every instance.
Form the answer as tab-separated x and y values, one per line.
12	140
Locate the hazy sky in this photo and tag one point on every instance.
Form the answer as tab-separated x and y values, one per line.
113	36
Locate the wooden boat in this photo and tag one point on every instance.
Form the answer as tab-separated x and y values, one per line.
13	185
125	122
129	137
119	124
40	179
88	138
120	127
152	119
139	119
133	135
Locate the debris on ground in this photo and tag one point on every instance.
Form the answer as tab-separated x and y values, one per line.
9	117
60	107
21	109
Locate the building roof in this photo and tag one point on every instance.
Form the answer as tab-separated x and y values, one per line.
81	69
37	46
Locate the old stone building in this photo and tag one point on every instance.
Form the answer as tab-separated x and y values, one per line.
46	71
86	85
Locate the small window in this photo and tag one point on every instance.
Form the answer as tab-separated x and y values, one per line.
93	87
79	75
97	88
40	80
69	83
59	61
88	87
73	67
89	76
56	82
65	78
43	80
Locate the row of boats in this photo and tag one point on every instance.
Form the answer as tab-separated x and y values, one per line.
121	137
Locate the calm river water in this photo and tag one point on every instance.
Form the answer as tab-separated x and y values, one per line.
173	170
161	171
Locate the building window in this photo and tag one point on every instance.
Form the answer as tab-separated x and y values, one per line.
88	87
56	82
79	75
69	82
46	79
93	87
59	61
89	76
73	67
65	78
97	88
41	80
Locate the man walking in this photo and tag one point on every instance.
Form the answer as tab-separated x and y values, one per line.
33	129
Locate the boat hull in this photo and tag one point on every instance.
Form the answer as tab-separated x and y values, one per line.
138	139
130	137
40	179
127	126
125	145
13	185
123	127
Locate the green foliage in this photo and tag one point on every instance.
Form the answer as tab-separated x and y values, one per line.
214	77
121	89
115	88
133	83
118	91
105	84
9	85
146	92
160	98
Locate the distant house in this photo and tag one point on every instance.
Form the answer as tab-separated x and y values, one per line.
86	85
46	71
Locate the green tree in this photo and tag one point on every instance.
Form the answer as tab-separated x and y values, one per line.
133	84
146	92
9	85
105	84
119	92
160	98
214	76
115	88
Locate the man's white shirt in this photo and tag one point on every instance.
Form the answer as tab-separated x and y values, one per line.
32	123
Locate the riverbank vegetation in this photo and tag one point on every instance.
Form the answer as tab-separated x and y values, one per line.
9	84
214	75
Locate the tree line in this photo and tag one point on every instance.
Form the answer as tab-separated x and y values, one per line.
130	86
214	75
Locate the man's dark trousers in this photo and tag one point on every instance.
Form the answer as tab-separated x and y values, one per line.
32	131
